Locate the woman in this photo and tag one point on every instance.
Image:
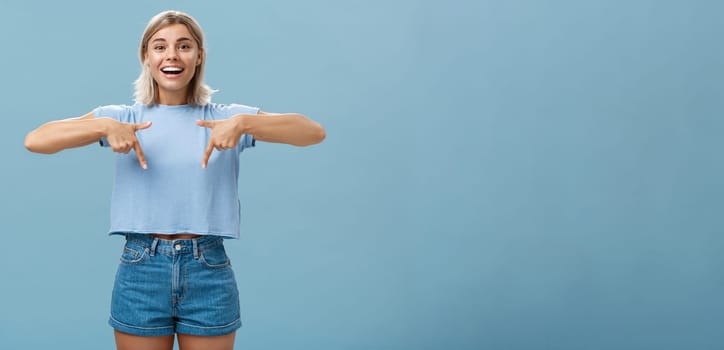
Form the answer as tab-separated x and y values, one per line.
175	196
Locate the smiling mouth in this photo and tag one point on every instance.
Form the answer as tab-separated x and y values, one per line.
172	70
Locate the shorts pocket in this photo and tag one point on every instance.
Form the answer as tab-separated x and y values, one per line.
215	258
133	254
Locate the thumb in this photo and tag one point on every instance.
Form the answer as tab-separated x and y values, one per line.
206	123
141	126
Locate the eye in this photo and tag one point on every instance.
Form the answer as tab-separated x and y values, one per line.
158	48
185	47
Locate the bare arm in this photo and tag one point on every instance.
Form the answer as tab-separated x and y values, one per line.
58	135
290	128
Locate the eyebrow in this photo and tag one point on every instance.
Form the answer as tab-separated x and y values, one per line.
162	39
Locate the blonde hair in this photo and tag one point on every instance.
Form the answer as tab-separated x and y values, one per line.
146	88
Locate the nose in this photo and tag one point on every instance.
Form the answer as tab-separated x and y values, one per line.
171	55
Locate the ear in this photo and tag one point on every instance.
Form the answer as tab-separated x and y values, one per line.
202	56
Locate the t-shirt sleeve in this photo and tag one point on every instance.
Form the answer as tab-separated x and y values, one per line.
120	113
230	110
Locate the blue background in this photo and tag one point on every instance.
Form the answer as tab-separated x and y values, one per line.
497	174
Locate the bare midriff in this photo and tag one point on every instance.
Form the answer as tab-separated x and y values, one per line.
175	236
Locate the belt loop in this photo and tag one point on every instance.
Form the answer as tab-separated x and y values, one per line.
153	246
195	243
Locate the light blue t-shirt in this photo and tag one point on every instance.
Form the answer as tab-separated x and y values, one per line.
176	195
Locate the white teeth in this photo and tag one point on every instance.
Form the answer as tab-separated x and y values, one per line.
171	69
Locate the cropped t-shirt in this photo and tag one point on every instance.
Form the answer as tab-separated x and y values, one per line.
174	194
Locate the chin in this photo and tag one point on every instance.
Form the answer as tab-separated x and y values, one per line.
173	87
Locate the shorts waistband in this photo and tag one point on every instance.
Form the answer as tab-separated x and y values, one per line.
176	246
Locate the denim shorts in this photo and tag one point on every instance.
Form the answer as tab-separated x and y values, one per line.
184	286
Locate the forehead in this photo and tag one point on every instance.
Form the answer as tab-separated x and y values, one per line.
172	32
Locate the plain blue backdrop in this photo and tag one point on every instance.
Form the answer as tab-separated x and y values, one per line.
497	174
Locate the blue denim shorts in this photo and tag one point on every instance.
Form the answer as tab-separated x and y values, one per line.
184	286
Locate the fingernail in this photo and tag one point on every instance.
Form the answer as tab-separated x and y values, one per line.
144	166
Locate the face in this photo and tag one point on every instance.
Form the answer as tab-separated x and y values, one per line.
172	55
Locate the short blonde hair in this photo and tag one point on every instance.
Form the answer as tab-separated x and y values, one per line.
146	88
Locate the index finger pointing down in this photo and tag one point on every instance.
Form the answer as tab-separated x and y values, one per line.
139	154
207	155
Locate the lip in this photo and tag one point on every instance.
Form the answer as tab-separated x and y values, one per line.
172	76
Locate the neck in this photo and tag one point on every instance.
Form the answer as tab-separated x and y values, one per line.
172	98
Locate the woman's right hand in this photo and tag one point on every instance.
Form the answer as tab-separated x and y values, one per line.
122	138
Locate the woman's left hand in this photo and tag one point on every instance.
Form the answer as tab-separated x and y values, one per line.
225	134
